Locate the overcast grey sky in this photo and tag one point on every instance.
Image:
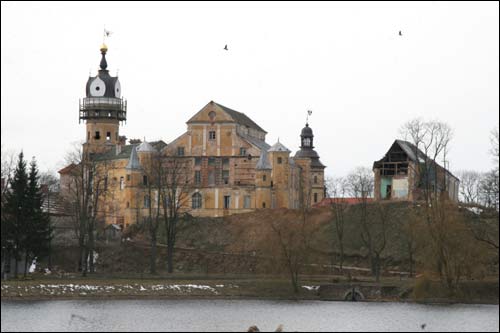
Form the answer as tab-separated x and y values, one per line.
344	61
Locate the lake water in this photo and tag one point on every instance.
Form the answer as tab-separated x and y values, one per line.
238	315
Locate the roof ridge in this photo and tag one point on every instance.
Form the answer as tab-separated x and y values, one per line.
244	119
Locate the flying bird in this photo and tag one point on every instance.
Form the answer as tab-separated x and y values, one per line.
400	33
225	47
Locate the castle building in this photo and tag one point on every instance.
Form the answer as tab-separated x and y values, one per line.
229	168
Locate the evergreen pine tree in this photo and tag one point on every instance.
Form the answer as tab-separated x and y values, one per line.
38	231
15	211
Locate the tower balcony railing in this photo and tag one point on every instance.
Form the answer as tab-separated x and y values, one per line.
102	108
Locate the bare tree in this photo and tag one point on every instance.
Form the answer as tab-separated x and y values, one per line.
490	184
488	189
432	138
485	232
290	241
8	167
494	145
153	170
175	196
338	190
410	236
373	229
84	188
7	171
50	181
470	182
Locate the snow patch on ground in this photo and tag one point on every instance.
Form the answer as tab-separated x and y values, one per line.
84	289
475	210
311	287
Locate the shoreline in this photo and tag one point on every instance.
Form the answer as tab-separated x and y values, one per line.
145	291
232	298
208	289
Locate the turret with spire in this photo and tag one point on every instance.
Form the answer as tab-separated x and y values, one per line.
312	168
102	108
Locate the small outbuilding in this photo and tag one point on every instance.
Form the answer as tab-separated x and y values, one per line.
113	232
404	171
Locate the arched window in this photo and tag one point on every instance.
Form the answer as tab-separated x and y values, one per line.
122	183
196	200
306	142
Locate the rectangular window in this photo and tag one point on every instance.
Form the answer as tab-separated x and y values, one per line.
197	177
243	151
211	135
108	136
211	161
246	201
315	197
225	162
264	178
280	160
227	201
144	180
197	161
211	177
122	183
225	176
180	151
128	178
146	201
97	135
106	183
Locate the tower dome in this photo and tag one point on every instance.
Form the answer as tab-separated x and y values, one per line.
307	148
306	137
307	131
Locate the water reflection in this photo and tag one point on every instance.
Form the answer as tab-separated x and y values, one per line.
238	315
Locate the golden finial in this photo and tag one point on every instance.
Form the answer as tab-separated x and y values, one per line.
104	48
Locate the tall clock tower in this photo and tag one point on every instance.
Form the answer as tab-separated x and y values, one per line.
103	109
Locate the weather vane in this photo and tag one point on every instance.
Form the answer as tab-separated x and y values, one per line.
309	112
105	34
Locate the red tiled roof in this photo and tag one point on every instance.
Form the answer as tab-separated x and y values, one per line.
67	169
350	201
